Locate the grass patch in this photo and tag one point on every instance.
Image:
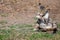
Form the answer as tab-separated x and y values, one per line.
4	34
4	14
40	35
3	22
58	25
25	32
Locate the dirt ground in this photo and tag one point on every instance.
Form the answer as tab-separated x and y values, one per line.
16	17
24	11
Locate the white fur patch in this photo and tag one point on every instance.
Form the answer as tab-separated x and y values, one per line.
38	17
42	25
46	16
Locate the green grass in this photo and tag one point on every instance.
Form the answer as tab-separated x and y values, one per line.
25	32
3	22
4	14
4	34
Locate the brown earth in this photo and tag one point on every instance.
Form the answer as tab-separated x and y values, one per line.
24	11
